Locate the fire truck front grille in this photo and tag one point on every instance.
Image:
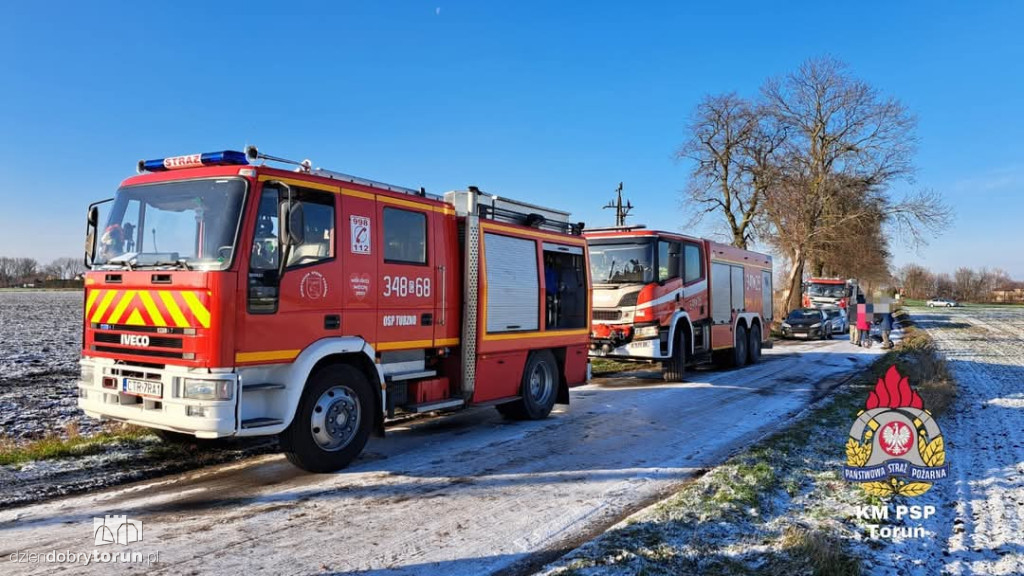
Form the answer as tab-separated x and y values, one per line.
138	351
610	315
155	341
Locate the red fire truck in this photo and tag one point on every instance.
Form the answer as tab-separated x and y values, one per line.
227	297
828	292
661	296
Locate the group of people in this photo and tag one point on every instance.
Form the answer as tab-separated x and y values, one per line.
860	318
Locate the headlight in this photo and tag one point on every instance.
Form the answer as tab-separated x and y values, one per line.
208	389
786	325
816	325
88	371
647	332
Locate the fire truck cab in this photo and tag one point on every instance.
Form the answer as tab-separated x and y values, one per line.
228	297
661	296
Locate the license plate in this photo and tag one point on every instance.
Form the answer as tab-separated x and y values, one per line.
142	388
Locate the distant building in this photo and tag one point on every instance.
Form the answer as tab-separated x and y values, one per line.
1012	292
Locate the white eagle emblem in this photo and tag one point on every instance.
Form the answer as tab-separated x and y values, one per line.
896	436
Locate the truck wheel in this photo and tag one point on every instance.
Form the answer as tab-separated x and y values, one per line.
672	370
739	352
754	346
333	421
537	391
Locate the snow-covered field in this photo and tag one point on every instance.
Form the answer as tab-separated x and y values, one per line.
40	343
980	525
463	494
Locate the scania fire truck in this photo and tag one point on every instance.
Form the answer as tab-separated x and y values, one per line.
828	292
228	297
661	296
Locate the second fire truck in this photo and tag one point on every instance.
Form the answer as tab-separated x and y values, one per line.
660	296
231	298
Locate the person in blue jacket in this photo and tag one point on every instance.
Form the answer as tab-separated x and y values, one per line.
885	327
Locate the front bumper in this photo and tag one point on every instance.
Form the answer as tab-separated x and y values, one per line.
169	411
798	332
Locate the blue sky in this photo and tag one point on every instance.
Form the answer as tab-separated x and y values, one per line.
553	104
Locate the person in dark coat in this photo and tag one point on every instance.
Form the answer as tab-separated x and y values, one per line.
885	327
851	318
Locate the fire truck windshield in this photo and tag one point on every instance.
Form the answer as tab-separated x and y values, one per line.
189	224
827	290
621	262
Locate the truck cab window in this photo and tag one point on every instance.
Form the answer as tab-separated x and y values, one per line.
692	268
668	260
405	236
318	242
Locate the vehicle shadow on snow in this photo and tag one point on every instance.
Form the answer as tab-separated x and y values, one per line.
398	472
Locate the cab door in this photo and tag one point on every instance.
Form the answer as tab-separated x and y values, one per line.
406	312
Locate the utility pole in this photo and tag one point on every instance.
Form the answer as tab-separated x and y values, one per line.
621	210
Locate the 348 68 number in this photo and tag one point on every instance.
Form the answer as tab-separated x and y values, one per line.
403	286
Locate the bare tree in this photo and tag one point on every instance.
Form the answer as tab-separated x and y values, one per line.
68	268
25	268
842	136
732	146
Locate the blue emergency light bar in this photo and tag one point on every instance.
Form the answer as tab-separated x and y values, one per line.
224	158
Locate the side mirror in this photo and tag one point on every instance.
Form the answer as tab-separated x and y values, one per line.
296	224
92	219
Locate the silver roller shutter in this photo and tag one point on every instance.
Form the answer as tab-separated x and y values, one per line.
513	288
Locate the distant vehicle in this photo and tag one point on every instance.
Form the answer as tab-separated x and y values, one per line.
836	319
828	292
941	303
807	323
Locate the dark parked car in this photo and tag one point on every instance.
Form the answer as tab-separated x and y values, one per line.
806	323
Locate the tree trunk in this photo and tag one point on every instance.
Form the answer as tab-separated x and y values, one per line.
794	284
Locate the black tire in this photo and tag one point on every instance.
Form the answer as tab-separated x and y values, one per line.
739	351
538	389
672	370
754	345
323	437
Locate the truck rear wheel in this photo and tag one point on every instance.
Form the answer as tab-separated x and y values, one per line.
333	421
538	390
739	351
754	347
672	370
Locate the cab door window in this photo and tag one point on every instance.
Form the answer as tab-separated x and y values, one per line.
668	260
693	269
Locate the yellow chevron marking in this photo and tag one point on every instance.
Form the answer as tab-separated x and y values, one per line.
135	319
91	300
122	305
154	312
104	304
172	308
198	310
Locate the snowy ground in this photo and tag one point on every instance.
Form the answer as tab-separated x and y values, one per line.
40	343
980	527
463	494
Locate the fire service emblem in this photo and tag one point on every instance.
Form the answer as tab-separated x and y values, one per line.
895	446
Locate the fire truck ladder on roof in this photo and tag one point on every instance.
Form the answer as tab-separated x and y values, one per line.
306	167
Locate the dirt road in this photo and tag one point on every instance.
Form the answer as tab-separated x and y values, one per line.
462	494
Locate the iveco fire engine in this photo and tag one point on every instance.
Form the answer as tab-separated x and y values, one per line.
228	297
661	296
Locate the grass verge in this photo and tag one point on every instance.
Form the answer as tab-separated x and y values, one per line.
70	444
780	506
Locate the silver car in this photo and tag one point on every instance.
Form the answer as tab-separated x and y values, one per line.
836	318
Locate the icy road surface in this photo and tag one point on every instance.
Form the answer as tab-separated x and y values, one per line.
466	493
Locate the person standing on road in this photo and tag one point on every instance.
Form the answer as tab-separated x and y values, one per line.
885	327
863	323
851	318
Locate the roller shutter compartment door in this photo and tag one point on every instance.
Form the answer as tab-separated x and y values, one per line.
513	287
